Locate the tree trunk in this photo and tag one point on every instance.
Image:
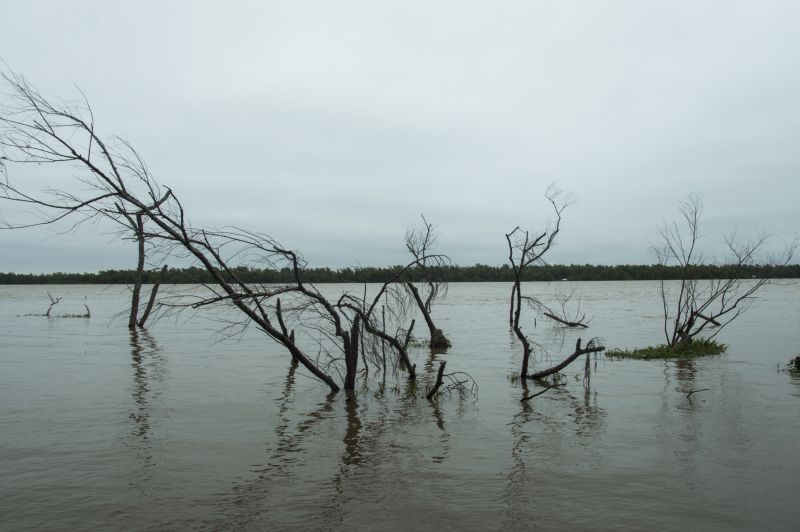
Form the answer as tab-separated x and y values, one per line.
438	384
526	351
152	299
137	286
351	355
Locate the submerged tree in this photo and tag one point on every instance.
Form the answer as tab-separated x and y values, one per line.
136	227
420	241
700	305
115	185
526	248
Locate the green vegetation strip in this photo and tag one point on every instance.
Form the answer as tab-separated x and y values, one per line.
697	348
452	273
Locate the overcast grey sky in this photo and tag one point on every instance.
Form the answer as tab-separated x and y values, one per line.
333	125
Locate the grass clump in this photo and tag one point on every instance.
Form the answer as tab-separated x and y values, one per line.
696	348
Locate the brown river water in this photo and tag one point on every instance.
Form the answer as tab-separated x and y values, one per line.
179	428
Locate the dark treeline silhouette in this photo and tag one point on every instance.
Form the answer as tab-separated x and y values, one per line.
476	273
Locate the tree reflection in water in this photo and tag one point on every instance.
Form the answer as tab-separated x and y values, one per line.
794	378
248	503
683	430
148	372
372	427
539	425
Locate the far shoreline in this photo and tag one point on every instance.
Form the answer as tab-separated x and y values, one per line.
450	274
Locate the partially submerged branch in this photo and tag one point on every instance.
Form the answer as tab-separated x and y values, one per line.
567	323
53	302
591	347
438	383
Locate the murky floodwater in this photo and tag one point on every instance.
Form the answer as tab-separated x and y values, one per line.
172	429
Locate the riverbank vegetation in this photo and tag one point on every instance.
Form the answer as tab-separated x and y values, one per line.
448	273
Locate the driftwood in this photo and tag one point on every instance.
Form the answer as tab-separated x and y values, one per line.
591	347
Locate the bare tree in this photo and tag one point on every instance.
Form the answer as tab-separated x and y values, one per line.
700	305
114	184
420	241
526	248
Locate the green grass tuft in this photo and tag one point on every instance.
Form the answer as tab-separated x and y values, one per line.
697	348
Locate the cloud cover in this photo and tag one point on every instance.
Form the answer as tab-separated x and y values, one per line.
333	125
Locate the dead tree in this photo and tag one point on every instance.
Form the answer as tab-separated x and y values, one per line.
393	297
420	242
700	305
525	249
116	185
53	302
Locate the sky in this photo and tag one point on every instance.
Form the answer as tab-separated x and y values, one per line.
333	126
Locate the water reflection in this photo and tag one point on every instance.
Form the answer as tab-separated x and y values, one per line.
542	441
352	450
359	465
794	378
587	416
148	372
517	494
431	369
683	430
793	369
358	447
248	502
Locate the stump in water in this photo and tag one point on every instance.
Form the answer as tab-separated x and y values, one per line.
439	340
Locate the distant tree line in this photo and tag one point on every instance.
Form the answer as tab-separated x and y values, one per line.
447	273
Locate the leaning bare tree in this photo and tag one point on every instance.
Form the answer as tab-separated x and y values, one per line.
699	305
420	241
526	248
115	185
